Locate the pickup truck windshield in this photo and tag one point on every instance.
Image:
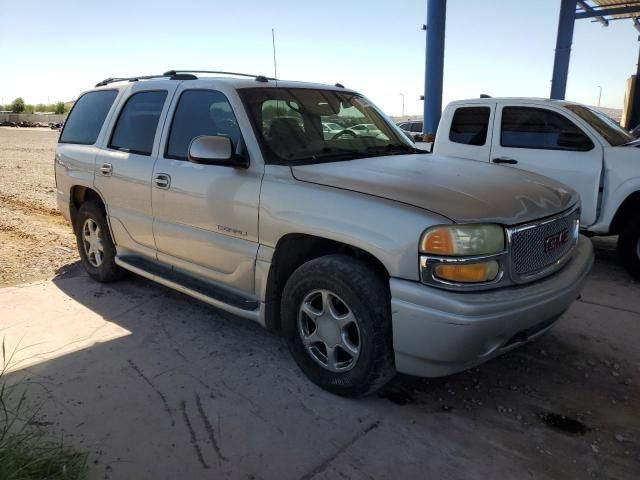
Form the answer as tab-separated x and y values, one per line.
605	126
302	125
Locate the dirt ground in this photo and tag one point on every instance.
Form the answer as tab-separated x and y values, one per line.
35	240
154	384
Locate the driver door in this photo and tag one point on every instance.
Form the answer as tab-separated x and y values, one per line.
205	217
544	141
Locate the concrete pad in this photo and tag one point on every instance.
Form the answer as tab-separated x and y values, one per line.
157	385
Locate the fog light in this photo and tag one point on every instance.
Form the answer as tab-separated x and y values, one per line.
468	273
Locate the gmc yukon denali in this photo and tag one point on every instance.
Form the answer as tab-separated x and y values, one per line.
367	255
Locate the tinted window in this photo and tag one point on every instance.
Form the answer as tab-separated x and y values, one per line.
527	127
86	118
416	127
137	123
470	125
605	126
200	112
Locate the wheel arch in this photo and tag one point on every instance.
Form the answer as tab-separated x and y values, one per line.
80	194
295	249
626	210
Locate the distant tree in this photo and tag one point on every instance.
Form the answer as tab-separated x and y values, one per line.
59	108
41	107
28	108
18	105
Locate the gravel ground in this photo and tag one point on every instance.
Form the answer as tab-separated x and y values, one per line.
35	240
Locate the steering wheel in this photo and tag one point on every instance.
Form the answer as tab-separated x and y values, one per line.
342	132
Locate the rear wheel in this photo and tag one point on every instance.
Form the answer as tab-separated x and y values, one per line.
96	248
336	319
629	247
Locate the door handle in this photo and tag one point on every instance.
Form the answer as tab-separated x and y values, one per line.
106	169
507	160
162	180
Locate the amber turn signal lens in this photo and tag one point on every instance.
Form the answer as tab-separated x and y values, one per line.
438	241
468	273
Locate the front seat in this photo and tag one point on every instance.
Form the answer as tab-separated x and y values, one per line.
286	136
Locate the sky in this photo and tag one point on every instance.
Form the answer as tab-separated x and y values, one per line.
51	51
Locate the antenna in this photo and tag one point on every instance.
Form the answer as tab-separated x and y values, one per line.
275	63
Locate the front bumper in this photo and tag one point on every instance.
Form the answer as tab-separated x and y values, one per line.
438	332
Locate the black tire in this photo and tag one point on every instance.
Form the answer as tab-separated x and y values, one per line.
366	294
629	247
107	270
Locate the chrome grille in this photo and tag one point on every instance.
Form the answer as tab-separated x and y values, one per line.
534	247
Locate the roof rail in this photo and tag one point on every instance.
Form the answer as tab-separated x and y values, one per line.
260	78
109	80
180	75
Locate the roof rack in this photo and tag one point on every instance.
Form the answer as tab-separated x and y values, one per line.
180	75
109	80
249	75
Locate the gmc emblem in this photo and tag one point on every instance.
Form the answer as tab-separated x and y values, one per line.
556	240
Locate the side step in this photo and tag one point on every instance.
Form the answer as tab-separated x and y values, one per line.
219	297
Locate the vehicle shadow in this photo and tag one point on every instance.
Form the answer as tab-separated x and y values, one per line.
158	384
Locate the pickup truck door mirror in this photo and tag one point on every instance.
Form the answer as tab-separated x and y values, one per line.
214	150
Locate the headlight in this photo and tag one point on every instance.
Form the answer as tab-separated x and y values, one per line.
463	240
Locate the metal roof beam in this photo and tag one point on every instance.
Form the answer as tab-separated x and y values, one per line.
603	12
588	8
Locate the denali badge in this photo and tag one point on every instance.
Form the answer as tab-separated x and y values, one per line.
556	240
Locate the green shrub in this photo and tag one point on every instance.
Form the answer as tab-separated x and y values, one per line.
25	452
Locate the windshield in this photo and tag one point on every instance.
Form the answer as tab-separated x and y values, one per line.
605	126
302	125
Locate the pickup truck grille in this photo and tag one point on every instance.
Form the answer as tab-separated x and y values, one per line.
537	247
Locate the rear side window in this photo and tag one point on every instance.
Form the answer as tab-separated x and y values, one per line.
470	125
528	127
416	127
200	112
86	118
136	127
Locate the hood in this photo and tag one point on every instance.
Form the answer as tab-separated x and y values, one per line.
465	191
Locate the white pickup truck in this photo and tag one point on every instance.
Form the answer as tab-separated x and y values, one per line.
566	141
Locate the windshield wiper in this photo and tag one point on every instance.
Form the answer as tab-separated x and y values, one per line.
394	149
330	153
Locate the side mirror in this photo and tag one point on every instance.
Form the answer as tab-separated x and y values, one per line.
214	150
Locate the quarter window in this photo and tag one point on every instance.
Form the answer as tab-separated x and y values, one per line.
470	125
87	116
539	128
200	112
138	121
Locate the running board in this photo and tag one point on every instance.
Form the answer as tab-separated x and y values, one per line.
222	298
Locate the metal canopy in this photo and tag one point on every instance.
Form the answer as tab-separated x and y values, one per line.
601	11
604	11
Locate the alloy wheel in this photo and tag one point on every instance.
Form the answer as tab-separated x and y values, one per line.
329	331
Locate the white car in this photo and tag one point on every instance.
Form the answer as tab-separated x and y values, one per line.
566	141
331	129
365	130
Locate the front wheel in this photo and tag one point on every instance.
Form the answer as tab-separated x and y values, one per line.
336	319
629	247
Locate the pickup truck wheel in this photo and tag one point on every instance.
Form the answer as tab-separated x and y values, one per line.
96	248
336	319
629	247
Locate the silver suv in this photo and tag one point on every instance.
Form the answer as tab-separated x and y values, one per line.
367	254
